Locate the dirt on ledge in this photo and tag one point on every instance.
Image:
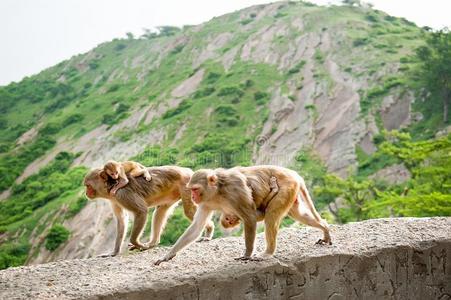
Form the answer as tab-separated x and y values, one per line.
299	270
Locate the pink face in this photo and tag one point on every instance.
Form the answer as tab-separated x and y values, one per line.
90	192
228	221
196	194
113	174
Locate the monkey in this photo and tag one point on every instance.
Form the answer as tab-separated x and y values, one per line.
220	189
223	190
230	221
167	187
117	170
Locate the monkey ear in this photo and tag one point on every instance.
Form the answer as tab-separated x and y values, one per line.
103	175
212	180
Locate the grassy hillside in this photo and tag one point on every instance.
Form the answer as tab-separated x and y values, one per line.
131	90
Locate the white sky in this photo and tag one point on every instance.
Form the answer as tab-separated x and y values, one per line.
36	34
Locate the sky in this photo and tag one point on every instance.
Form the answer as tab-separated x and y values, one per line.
37	34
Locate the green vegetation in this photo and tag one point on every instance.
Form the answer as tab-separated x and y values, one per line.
34	199
58	234
434	72
297	68
427	193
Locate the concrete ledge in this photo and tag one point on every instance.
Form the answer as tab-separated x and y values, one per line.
406	258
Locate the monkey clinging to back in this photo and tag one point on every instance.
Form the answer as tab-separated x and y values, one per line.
117	171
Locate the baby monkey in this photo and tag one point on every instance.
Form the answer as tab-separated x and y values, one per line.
230	221
117	171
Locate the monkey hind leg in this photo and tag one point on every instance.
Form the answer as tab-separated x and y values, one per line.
208	232
141	172
274	213
301	213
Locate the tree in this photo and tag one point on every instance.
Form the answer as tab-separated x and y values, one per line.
130	35
435	66
352	2
428	193
355	193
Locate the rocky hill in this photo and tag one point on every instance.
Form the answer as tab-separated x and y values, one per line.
283	83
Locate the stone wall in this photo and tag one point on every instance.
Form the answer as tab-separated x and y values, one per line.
406	258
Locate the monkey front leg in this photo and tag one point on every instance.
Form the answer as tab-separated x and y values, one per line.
202	216
123	181
121	219
250	231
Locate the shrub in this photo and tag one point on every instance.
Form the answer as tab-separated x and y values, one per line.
57	235
177	49
231	91
108	119
120	47
183	106
113	88
71	119
212	77
13	254
297	67
204	92
246	21
372	18
319	57
50	129
360	42
261	97
76	206
122	107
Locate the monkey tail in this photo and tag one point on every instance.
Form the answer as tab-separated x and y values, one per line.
305	195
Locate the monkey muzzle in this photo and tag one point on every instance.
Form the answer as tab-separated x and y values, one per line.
195	195
90	192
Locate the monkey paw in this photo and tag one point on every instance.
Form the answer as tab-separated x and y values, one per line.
139	247
107	255
148	178
204	239
323	242
166	258
249	258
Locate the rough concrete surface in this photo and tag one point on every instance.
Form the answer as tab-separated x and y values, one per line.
405	258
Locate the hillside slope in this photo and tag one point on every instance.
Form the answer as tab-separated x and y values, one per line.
267	84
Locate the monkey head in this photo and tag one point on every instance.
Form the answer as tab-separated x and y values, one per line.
229	221
95	183
203	185
112	168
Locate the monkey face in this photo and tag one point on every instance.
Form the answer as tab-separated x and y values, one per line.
90	192
196	193
229	221
202	186
95	185
113	174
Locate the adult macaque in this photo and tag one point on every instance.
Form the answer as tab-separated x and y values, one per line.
224	190
117	171
167	187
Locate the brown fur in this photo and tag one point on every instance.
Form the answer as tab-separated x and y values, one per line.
227	191
301	209
118	170
224	190
168	185
230	221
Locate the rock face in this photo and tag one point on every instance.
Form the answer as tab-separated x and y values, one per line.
404	258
